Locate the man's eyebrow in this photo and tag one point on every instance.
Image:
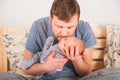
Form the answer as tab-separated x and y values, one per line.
71	26
57	24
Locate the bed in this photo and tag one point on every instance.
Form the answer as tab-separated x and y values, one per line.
97	54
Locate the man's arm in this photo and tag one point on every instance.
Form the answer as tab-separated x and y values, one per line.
83	65
33	70
82	62
50	64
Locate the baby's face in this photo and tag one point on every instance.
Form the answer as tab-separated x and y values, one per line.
65	42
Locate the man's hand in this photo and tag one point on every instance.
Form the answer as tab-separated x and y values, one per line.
72	52
72	47
54	63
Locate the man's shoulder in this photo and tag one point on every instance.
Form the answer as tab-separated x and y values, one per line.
82	23
42	23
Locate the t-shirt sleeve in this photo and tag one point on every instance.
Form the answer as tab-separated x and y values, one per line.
32	42
89	37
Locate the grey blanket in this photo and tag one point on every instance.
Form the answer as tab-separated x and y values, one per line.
103	74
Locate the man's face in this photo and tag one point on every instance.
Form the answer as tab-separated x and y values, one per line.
63	29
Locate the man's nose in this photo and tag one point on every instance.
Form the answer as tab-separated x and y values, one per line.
64	32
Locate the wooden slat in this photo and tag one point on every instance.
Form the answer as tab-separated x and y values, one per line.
101	43
99	32
97	54
98	65
3	58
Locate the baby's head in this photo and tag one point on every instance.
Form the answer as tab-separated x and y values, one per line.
71	41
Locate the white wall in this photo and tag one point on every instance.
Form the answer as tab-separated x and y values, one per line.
100	12
21	13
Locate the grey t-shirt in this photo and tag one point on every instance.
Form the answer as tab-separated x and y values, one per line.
41	30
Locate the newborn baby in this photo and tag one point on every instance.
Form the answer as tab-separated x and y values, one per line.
48	47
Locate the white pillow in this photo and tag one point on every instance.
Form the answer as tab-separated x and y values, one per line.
112	51
15	46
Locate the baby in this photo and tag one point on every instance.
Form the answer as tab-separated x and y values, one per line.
48	47
64	42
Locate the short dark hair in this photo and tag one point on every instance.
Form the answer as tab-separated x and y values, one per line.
65	9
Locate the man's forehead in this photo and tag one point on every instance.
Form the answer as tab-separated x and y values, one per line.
63	24
71	22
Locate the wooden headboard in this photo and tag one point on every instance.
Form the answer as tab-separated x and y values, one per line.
97	54
98	49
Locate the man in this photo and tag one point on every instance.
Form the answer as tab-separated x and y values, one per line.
63	22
